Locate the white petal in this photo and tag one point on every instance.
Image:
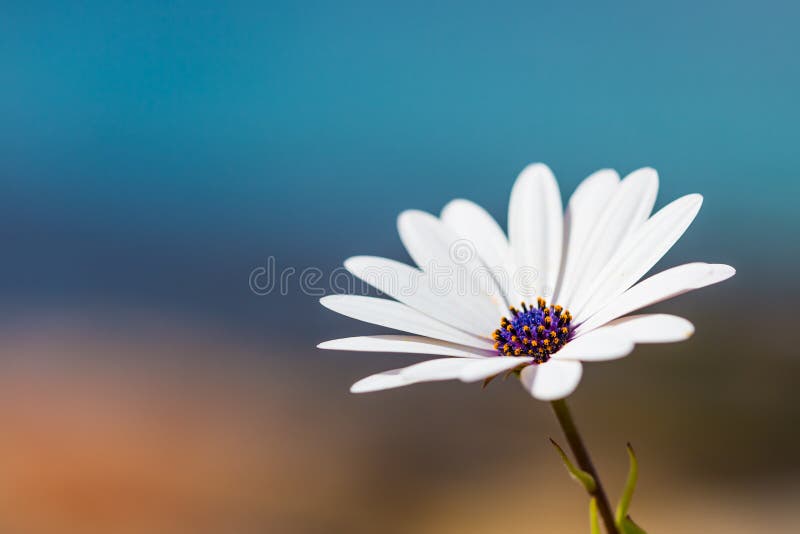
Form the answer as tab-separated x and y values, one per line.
585	207
596	346
380	381
453	262
433	370
414	288
472	223
483	369
640	252
661	286
652	328
535	228
398	316
552	380
406	344
622	215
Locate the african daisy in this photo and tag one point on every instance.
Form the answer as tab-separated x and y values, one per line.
553	293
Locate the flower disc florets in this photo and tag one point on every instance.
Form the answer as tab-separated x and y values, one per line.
533	331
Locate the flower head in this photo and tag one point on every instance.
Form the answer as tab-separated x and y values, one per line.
479	299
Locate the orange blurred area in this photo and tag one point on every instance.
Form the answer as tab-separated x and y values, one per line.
164	428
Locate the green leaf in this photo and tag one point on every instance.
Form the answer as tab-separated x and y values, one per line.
594	523
582	477
627	493
627	526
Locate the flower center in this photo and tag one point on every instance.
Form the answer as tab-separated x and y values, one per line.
537	332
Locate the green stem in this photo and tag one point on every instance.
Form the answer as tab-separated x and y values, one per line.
584	461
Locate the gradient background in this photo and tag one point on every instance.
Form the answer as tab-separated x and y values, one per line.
153	154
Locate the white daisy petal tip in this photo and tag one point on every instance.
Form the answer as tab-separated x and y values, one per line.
723	271
714	274
354	262
379	382
689	332
605	177
533	178
647	175
651	328
408	218
536	169
457	204
606	171
553	380
691	203
687	328
328	300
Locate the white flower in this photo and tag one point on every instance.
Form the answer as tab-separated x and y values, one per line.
460	303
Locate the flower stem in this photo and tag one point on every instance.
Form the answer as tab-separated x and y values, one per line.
584	461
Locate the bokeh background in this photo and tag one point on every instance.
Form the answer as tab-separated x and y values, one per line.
153	154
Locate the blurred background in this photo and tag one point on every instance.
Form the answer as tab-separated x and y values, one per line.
153	154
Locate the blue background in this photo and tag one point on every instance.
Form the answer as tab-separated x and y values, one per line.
152	154
156	152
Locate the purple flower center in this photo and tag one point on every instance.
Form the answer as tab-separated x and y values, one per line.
533	331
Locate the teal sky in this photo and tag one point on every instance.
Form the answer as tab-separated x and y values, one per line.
156	152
